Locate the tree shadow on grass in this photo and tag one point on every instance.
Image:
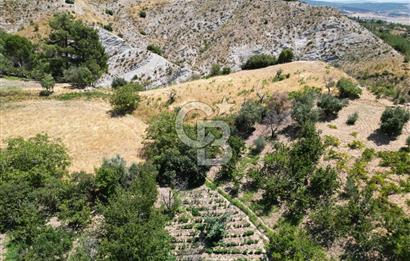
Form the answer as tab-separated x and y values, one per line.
380	138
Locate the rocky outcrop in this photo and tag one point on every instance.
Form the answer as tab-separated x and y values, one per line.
135	63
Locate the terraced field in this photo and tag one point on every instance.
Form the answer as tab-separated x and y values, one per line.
241	240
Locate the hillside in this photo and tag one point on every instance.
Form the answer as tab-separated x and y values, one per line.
196	34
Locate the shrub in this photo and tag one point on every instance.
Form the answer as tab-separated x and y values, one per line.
213	230
331	141
109	12
108	27
259	61
347	89
292	243
71	2
124	100
259	145
154	48
79	76
351	120
250	113
47	82
323	183
118	82
330	105
356	144
286	56
393	120
226	70
142	14
303	106
215	70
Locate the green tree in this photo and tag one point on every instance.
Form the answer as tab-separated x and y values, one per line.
286	56
249	114
393	120
303	110
137	233
75	45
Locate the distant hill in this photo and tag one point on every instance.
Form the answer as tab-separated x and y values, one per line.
392	12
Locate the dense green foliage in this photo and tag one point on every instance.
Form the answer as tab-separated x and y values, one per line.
347	89
303	110
35	187
176	162
154	48
71	53
292	243
118	82
133	228
286	56
212	230
393	120
330	105
259	61
125	99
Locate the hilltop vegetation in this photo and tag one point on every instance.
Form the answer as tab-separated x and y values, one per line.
71	53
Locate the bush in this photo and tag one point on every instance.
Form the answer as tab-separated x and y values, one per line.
142	14
154	48
109	12
215	70
330	105
79	76
108	27
347	89
250	113
259	145
351	120
71	2
226	70
259	61
286	56
124	100
213	230
303	110
47	82
118	82
292	243
393	120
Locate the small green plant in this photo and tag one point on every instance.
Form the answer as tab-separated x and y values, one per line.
71	2
354	134
331	141
215	70
47	82
226	70
356	144
259	145
332	126
154	48
109	12
351	120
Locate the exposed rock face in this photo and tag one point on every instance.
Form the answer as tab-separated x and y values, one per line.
130	63
195	34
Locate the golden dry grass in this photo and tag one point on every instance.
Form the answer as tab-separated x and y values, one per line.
85	128
241	86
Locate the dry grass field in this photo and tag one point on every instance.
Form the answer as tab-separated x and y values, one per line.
84	127
90	133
